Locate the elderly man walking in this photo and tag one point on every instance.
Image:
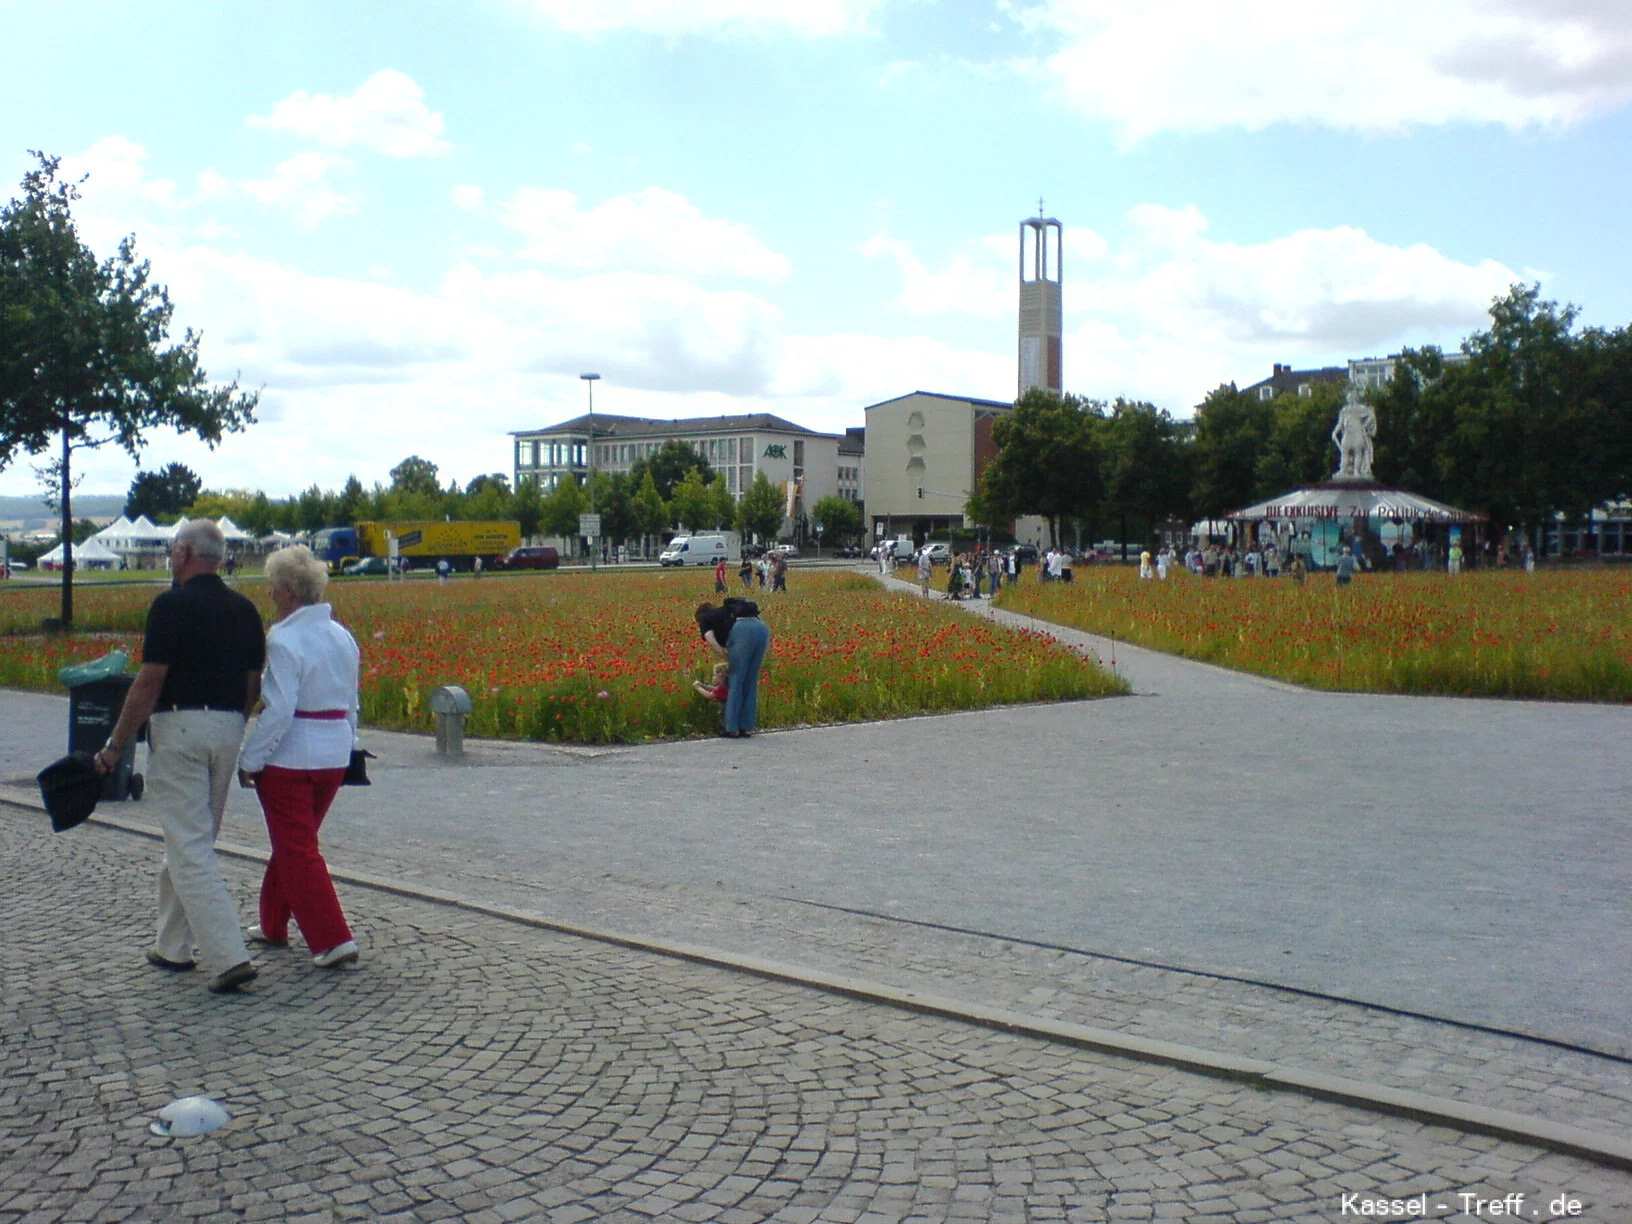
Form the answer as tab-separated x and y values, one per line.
201	674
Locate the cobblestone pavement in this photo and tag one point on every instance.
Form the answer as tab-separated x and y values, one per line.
482	1070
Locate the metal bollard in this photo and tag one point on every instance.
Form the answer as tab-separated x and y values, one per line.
450	704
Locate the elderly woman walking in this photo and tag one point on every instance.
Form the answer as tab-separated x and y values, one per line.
297	755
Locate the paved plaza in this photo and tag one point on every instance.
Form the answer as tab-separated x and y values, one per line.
1383	899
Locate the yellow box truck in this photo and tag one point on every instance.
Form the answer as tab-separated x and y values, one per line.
421	543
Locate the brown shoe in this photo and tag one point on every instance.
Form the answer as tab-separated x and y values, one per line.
164	962
228	980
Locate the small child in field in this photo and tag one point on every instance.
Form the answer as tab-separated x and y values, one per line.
717	688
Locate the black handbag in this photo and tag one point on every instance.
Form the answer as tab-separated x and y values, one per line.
357	768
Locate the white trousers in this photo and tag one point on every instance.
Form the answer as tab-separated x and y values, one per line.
192	760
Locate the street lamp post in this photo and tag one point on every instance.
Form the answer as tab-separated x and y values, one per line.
595	543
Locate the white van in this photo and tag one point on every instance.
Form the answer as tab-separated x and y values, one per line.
695	550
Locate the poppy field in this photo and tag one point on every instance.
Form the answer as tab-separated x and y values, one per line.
610	658
1555	634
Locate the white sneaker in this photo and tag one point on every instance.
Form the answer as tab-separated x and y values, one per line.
340	954
256	935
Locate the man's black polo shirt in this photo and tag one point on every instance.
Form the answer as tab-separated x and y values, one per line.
210	637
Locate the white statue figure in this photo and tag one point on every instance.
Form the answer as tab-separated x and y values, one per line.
1356	427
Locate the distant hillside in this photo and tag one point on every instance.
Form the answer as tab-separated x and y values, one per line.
35	513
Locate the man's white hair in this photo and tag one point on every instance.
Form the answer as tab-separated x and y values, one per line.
205	540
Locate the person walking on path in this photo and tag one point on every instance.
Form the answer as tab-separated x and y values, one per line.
297	754
202	654
926	571
746	573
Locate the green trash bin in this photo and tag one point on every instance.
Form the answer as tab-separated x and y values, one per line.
96	694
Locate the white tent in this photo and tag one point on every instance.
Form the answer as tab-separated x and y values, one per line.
115	533
90	553
168	531
233	533
143	531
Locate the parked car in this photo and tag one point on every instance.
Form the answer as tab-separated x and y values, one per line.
939	553
849	552
788	552
368	565
529	557
1026	553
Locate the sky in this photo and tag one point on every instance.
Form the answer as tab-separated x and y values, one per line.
412	226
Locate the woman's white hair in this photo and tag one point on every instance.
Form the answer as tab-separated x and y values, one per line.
295	570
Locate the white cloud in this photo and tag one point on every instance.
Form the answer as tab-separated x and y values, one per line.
117	189
1364	65
966	285
386	113
300	186
648	230
817	18
468	197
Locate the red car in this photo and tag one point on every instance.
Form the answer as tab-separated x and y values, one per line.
529	557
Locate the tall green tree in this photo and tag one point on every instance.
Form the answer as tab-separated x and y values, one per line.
162	494
1048	460
486	498
1298	449
614	502
759	513
86	358
416	475
691	507
669	465
840	519
1534	421
1145	472
723	510
527	507
352	504
1230	433
315	509
651	516
562	508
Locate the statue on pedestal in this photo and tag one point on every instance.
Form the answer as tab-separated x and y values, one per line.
1356	427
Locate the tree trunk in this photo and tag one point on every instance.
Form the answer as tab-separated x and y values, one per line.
67	541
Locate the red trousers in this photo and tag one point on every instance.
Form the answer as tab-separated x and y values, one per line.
297	882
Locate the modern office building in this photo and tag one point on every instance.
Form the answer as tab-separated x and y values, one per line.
801	463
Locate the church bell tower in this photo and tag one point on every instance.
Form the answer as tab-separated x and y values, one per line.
1040	303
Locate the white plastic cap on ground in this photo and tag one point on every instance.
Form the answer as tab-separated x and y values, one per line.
194	1115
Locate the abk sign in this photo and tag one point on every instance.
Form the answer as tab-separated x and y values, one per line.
776	450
